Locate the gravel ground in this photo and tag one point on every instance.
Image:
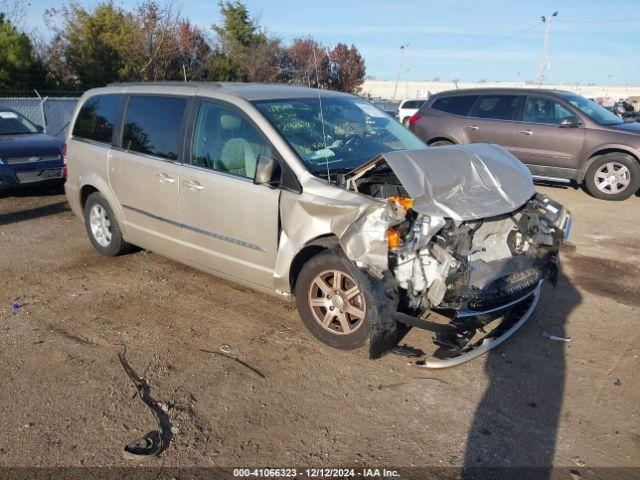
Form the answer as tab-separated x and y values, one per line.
66	400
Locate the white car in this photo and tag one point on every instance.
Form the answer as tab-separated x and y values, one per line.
408	108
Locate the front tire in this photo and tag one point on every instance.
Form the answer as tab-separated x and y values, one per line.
102	227
613	176
336	301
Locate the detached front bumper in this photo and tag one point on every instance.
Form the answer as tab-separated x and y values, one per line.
506	319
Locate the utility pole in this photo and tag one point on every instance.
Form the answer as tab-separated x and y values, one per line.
544	58
402	49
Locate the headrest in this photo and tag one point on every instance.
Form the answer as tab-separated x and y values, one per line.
229	122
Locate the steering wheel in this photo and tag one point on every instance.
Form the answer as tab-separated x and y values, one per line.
351	141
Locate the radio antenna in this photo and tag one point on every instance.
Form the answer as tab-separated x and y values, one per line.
324	136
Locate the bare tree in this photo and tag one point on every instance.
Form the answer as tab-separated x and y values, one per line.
14	11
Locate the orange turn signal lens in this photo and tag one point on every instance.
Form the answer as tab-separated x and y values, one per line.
406	202
393	238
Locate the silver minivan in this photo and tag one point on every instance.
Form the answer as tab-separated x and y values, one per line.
322	197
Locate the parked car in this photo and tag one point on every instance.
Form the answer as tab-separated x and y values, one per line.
407	109
625	111
27	155
321	196
559	135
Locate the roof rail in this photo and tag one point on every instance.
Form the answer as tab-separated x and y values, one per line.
174	83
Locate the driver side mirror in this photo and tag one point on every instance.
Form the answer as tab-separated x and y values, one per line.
267	171
40	128
570	122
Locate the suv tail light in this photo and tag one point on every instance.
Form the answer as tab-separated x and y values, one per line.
414	119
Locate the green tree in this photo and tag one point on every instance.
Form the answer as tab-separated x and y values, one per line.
245	52
17	65
92	48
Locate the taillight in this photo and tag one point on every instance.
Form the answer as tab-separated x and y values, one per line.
414	119
65	172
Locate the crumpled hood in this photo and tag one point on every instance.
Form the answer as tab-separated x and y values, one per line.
462	182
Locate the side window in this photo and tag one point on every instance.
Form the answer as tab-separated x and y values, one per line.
498	107
152	125
544	110
97	117
458	105
225	141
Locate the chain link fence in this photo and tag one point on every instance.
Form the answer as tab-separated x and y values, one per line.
54	114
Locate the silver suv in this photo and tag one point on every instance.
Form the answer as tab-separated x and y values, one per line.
321	196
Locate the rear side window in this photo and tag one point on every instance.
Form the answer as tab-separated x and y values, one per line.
97	117
458	105
152	125
498	107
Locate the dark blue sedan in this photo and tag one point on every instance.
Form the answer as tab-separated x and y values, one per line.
27	156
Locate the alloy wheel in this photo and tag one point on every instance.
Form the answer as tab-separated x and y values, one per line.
336	302
612	177
100	225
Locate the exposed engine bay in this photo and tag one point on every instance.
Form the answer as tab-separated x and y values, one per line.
464	252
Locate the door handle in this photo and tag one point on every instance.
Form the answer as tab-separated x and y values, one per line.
526	132
164	178
193	185
472	127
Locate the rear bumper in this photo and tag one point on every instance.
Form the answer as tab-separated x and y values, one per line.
73	198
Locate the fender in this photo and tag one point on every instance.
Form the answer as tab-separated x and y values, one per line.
593	155
97	182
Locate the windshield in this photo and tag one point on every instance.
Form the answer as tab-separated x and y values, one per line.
595	112
12	123
347	133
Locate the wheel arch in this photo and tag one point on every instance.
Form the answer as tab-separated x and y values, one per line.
92	184
604	150
307	252
441	139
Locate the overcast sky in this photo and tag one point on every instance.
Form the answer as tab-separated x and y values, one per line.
592	41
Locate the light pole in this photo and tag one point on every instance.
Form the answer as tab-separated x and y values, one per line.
395	88
544	58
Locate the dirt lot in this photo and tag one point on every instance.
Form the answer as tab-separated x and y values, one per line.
66	401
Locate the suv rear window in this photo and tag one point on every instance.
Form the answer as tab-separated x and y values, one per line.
152	125
458	105
412	104
498	107
97	117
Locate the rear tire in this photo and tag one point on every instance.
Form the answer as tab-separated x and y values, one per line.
328	308
440	143
613	176
102	227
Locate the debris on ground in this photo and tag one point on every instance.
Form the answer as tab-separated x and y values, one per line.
223	353
617	382
551	336
225	349
407	351
15	306
155	442
578	461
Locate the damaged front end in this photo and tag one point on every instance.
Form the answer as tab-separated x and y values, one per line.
467	241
